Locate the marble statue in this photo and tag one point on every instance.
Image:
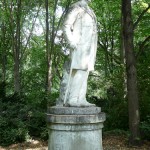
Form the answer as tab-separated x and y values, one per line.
80	31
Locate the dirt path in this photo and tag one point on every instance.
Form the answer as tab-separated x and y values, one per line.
109	143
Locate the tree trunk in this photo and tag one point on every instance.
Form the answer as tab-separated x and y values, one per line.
16	76
48	52
3	47
17	43
3	60
133	104
50	47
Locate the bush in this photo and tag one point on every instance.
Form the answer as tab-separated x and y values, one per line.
36	123
13	112
22	118
145	128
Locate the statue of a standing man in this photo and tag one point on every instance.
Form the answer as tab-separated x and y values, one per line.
80	30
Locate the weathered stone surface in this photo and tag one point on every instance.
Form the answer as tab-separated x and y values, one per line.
75	127
77	140
76	119
58	110
80	33
71	129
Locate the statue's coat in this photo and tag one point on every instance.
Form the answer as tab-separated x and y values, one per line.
80	30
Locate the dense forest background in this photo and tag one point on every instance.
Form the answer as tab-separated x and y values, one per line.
33	51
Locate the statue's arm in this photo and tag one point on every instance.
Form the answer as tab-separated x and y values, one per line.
68	27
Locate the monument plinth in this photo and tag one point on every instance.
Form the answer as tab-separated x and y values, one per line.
75	128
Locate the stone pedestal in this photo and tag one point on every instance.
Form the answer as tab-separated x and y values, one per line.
74	128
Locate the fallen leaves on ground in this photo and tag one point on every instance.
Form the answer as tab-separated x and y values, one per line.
30	145
120	143
109	143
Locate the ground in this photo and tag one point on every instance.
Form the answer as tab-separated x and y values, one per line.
109	143
120	143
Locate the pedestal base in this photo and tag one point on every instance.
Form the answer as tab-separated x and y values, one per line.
72	128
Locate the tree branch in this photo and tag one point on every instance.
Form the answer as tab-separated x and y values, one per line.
140	17
115	57
31	32
141	47
61	18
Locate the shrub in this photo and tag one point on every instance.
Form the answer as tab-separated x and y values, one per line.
13	116
145	128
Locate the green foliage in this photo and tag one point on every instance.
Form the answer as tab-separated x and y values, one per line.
116	132
13	119
117	108
36	123
144	88
145	128
22	117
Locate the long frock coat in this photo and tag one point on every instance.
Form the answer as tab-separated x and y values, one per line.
80	30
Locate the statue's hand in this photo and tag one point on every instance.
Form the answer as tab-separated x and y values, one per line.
73	45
